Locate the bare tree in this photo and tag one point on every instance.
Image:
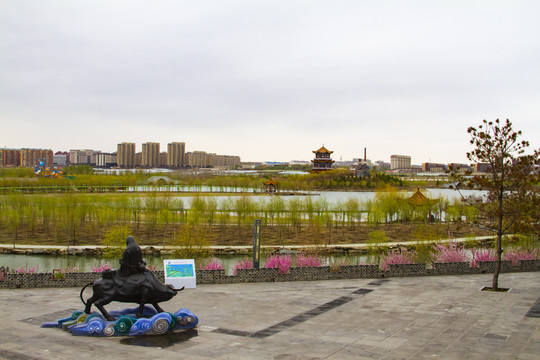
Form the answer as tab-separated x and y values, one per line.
510	180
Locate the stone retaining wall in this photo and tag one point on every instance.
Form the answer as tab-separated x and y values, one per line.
46	280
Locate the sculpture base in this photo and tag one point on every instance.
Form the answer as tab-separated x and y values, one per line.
126	323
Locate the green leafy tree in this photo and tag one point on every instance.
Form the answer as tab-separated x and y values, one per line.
115	241
510	181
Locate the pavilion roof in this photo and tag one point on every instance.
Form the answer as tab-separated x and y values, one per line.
323	150
270	182
420	199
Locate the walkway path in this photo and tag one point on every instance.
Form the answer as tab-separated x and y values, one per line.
439	317
345	246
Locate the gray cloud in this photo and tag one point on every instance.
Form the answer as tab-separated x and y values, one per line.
399	77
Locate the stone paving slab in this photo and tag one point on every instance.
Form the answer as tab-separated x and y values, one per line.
445	317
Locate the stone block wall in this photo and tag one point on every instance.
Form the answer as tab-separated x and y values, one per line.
46	280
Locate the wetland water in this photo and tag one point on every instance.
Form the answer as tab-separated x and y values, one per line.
48	263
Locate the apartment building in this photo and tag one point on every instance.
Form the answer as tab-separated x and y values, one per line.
197	159
83	157
176	155
433	167
459	167
32	157
10	157
150	155
106	160
125	155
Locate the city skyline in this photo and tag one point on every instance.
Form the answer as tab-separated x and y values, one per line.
266	80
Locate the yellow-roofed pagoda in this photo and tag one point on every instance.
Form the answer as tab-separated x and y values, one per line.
322	161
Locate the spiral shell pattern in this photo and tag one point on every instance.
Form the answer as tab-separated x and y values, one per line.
109	330
95	326
123	325
160	326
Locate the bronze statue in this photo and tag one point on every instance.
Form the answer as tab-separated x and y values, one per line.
131	283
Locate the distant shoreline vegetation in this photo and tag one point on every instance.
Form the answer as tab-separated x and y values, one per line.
336	179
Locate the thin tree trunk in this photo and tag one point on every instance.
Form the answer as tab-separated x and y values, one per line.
495	284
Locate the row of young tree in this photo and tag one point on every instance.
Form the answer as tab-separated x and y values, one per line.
71	216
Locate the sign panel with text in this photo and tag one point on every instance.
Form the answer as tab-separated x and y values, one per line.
180	272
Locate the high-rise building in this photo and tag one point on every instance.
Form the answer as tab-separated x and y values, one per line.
32	157
126	155
400	162
150	155
176	153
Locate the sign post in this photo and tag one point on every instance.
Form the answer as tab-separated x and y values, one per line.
257	244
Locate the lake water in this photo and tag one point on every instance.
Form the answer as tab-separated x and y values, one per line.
85	263
334	197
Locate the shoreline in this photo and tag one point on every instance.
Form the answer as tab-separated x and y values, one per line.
55	250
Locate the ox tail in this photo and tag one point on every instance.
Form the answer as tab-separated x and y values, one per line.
82	290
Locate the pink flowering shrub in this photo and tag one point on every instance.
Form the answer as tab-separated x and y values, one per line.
26	270
397	257
211	264
450	253
70	269
305	260
482	255
514	255
282	262
101	268
242	264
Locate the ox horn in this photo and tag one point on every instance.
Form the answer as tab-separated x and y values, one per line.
177	290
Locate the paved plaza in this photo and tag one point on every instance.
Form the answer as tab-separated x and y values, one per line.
440	317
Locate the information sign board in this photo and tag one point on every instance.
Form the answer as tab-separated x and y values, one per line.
180	272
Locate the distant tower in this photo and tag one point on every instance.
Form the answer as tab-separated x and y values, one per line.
322	161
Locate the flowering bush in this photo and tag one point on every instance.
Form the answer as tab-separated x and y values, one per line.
450	253
514	255
305	260
101	268
23	270
211	264
282	262
70	269
482	255
242	264
397	257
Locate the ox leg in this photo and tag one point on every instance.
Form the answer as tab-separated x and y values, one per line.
141	308
145	299
88	306
157	307
100	305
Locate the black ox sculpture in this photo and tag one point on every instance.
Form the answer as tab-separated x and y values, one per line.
132	283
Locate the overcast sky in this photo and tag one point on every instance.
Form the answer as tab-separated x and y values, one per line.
268	80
